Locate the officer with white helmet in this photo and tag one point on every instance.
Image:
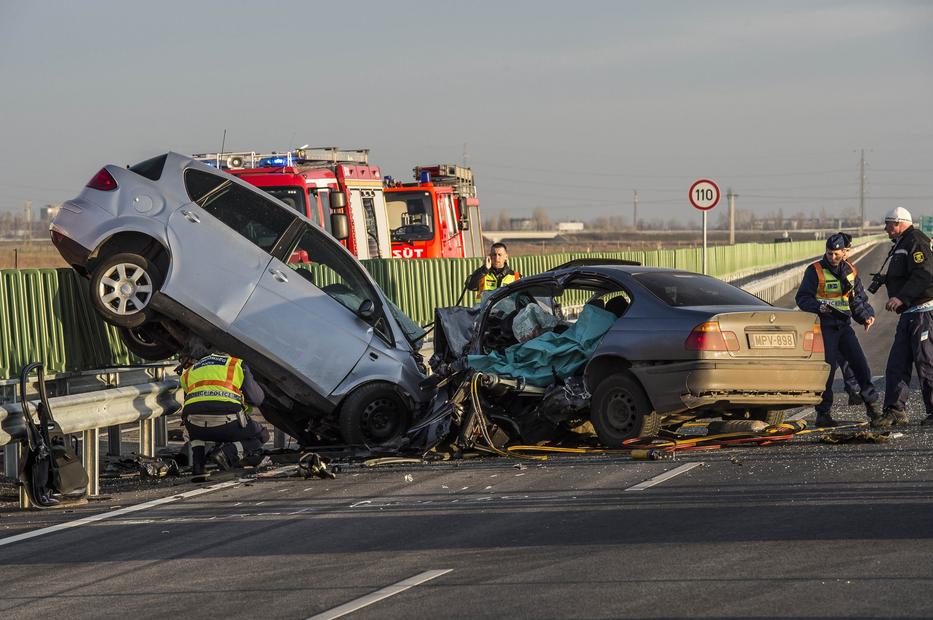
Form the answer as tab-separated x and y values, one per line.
909	281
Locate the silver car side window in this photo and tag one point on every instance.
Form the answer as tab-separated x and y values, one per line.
247	212
321	261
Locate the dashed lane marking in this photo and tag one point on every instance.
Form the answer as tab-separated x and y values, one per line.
379	595
641	486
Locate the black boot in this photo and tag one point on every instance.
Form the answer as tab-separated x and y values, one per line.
873	410
854	398
824	420
198	461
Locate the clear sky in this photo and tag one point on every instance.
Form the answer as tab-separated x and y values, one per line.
569	106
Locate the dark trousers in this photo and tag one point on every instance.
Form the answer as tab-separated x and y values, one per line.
840	342
848	377
235	440
912	346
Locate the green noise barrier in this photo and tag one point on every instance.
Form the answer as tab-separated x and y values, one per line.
46	316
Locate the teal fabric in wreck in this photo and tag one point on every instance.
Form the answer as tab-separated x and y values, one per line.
538	359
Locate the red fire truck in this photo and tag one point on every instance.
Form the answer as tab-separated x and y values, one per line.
337	189
437	216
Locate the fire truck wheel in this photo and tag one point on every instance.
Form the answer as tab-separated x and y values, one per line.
374	415
150	342
121	288
620	410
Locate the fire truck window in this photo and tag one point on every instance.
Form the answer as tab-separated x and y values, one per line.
294	197
372	236
323	197
410	216
249	213
451	216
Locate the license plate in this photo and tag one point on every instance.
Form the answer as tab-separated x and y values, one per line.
773	341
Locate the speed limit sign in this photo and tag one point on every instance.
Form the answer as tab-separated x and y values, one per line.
704	194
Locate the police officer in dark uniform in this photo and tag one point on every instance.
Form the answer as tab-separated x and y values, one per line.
909	280
848	377
217	389
832	289
495	273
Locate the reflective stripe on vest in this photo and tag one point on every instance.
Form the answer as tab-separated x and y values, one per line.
829	288
214	378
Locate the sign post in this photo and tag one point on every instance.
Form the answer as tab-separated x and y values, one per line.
704	195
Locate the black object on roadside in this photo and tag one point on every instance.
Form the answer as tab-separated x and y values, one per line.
51	471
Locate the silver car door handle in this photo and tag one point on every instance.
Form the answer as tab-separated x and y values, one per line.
191	216
278	276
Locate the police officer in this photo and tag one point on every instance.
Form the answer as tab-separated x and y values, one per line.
217	389
909	281
495	273
832	289
848	377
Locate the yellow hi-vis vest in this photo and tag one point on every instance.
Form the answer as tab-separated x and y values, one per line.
490	282
829	289
217	378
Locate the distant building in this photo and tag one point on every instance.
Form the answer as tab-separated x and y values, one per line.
570	226
521	223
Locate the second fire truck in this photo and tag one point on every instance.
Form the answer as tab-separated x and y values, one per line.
437	216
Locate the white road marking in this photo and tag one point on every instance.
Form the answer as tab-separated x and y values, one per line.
379	595
116	513
641	486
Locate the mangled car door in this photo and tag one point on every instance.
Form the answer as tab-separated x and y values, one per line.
221	244
316	313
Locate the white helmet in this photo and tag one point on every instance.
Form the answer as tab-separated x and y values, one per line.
898	214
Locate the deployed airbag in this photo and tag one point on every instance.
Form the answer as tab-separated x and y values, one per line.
539	359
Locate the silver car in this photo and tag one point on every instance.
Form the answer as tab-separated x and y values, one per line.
175	249
651	347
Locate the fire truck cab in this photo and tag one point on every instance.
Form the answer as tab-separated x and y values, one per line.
336	189
435	217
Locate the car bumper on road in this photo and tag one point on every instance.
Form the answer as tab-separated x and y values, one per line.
682	386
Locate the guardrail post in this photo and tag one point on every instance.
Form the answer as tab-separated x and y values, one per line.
11	459
18	450
114	441
147	437
161	432
90	444
279	440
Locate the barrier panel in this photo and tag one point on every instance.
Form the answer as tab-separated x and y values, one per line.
45	314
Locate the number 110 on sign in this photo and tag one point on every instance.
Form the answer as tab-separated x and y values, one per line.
704	194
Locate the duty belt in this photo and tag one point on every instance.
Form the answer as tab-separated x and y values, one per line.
207	420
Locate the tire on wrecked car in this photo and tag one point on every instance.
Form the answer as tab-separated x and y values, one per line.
141	279
150	342
620	410
374	415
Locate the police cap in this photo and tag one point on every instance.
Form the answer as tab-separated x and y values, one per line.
839	241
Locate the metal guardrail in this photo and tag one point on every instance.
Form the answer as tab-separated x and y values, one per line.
776	286
87	413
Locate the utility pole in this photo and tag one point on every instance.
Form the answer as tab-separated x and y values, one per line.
466	156
27	216
635	211
861	191
731	198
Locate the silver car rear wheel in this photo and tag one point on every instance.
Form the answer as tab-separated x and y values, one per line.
122	287
620	410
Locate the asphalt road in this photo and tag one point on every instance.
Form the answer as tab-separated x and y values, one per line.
789	530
